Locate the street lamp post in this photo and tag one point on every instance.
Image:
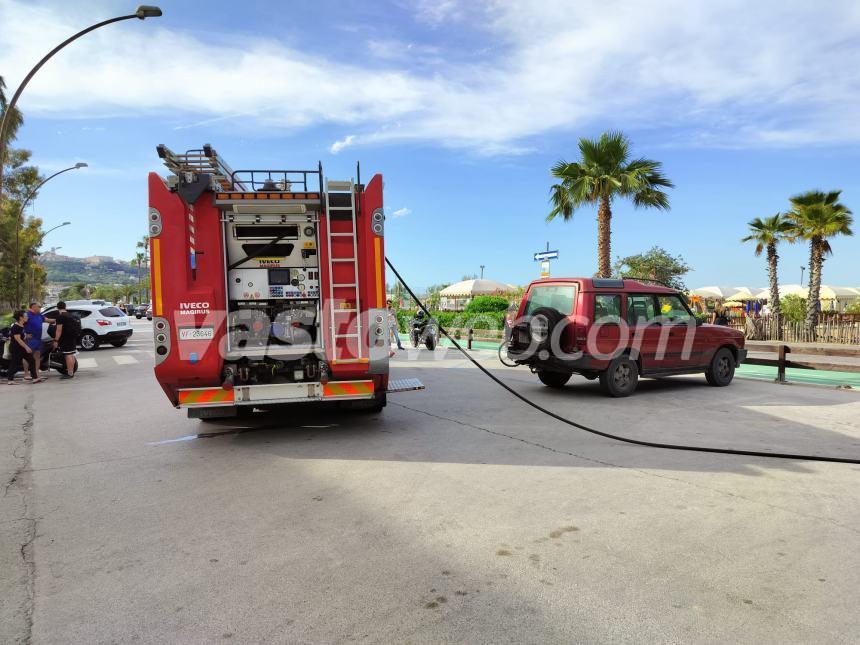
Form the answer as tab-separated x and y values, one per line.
36	257
142	12
19	223
802	269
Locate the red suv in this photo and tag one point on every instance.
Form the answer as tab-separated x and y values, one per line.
617	331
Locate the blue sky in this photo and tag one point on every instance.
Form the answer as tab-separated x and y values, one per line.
463	107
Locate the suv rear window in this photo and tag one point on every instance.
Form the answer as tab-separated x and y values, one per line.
558	297
111	312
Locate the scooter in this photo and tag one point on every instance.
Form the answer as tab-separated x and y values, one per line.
423	329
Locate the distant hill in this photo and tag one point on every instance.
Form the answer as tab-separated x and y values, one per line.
96	269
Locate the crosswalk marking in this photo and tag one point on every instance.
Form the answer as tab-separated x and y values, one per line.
86	363
124	360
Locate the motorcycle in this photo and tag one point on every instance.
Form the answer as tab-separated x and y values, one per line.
423	329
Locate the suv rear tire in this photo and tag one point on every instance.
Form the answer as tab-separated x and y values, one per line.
556	380
620	378
120	342
721	371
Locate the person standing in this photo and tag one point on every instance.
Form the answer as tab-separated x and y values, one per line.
33	328
66	338
19	350
393	326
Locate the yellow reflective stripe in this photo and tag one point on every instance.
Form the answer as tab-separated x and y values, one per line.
157	302
380	287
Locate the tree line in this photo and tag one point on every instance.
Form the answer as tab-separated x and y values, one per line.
605	171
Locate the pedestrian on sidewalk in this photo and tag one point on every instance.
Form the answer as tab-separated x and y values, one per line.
66	338
19	351
33	328
393	326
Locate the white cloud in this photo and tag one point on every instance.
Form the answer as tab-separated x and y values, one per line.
719	74
401	212
340	144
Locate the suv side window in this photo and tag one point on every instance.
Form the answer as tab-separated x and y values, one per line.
673	310
80	313
607	308
52	315
640	309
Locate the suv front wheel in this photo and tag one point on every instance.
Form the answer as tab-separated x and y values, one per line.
89	341
554	379
722	368
620	378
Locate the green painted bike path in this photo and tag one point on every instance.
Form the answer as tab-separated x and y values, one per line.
760	372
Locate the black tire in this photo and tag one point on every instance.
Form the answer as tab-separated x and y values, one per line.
138	316
721	371
620	378
430	341
88	341
120	342
556	380
413	338
552	318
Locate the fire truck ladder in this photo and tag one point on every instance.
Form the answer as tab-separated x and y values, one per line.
340	202
198	161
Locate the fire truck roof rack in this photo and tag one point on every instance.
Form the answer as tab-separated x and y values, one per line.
284	181
200	160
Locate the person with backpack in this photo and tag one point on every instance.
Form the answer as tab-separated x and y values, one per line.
66	338
19	351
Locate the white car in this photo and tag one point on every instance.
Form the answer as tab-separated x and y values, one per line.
99	324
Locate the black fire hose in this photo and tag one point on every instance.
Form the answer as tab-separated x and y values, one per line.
637	442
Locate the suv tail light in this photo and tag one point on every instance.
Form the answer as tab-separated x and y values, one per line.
103	323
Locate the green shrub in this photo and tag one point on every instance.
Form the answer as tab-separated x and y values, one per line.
853	308
793	308
487	304
457	319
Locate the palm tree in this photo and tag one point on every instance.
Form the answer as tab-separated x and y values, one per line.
139	259
766	233
603	172
817	216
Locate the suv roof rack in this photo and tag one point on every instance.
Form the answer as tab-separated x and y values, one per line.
659	283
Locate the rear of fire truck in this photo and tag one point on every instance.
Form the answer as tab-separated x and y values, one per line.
268	286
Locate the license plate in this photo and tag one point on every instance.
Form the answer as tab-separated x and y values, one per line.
196	333
120	324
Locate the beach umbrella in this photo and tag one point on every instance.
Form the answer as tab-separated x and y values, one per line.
717	293
793	290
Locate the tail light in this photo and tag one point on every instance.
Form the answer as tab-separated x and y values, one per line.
103	323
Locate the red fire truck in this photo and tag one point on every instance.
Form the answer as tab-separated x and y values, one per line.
268	286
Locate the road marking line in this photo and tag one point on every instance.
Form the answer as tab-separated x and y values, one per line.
125	360
87	363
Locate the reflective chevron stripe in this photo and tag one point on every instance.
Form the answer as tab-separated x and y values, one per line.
347	388
206	396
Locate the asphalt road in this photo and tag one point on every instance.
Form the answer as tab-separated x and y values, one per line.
456	515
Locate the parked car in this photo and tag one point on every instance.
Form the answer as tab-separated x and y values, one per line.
143	310
616	331
99	324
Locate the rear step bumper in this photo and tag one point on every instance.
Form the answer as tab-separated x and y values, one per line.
210	397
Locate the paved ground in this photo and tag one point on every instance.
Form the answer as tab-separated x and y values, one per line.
456	515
